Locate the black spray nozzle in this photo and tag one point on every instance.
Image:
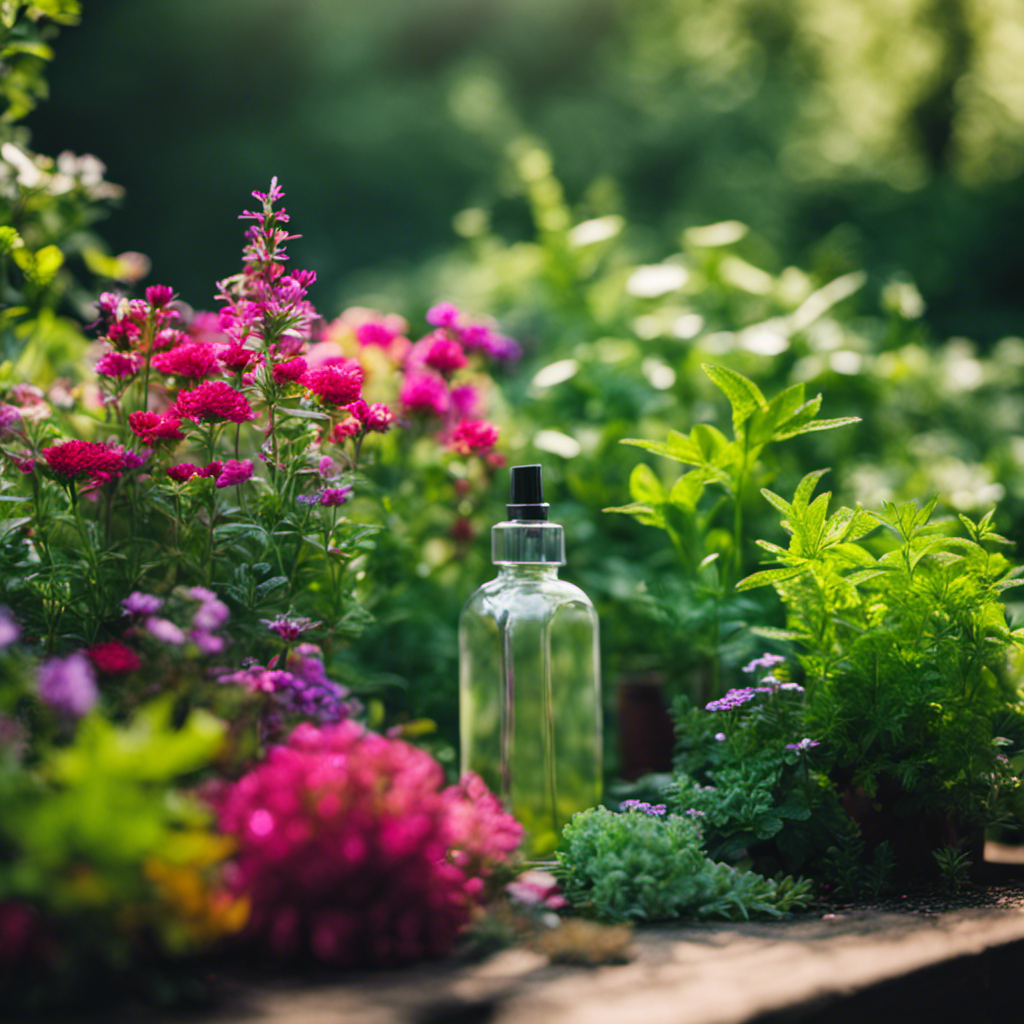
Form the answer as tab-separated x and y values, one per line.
526	493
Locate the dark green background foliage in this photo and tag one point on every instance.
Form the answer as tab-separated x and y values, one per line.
846	132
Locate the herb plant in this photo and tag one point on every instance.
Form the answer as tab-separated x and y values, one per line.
646	865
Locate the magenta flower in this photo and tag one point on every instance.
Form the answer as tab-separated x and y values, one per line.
424	393
537	889
234	471
441	353
72	460
182	471
473	437
379	418
444	314
375	333
9	416
214	400
335	495
193	360
335	385
68	685
152	428
159	294
290	372
117	364
287	629
465	399
337	813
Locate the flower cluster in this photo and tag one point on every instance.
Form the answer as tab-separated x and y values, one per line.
654	810
198	607
768	661
803	745
68	685
732	700
348	846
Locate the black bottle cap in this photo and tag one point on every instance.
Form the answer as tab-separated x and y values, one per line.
526	493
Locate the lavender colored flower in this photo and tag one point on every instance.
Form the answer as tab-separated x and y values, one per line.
138	603
308	499
804	744
9	416
289	629
692	812
765	661
165	631
10	631
641	806
791	687
211	614
732	700
208	643
719	737
68	685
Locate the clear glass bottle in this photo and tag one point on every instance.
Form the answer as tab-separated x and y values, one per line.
529	675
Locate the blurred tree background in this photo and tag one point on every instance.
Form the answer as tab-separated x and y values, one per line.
847	133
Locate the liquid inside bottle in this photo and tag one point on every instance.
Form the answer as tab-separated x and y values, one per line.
530	704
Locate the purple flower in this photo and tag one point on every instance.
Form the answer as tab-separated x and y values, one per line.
208	643
10	631
211	613
68	685
651	810
732	700
444	314
325	467
335	495
9	414
804	744
165	631
138	603
791	687
132	460
694	813
308	499
289	629
765	661
719	737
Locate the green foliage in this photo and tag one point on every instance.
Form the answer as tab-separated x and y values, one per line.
905	652
89	832
632	866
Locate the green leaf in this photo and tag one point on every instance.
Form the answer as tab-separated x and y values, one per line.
641	513
804	490
770	576
686	491
645	487
777	501
744	395
774	633
816	425
302	414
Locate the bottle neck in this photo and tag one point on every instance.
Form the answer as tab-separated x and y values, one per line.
527	571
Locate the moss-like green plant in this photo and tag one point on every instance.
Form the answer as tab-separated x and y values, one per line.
644	867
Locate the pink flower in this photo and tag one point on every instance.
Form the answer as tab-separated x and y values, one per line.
10	419
159	294
287	629
182	471
465	401
72	460
165	631
473	437
338	813
290	372
123	334
425	393
152	428
441	353
342	431
10	631
23	464
234	472
444	314
335	385
211	469
332	496
117	364
374	333
237	358
68	685
379	418
214	400
138	603
193	360
537	889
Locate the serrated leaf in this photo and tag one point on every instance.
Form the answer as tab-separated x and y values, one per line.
641	513
777	501
816	425
770	576
804	490
743	394
686	491
1008	584
774	633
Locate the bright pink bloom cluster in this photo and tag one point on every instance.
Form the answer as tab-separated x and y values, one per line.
214	400
152	428
473	437
193	360
117	364
335	385
349	847
75	460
